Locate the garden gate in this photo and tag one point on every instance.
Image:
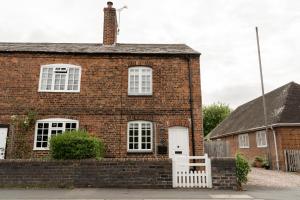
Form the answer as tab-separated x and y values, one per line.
191	174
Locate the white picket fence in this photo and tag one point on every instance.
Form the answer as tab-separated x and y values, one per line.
292	160
189	174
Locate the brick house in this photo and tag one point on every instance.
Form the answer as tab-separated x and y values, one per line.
142	100
244	128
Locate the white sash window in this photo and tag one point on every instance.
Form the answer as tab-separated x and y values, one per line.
261	139
244	141
47	128
140	135
140	81
60	78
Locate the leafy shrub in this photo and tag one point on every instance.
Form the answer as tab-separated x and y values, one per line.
265	164
75	145
242	170
258	161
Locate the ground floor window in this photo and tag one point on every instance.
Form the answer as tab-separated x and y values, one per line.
47	128
261	139
244	141
140	135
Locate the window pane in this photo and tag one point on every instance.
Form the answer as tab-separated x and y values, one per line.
140	80
139	134
42	135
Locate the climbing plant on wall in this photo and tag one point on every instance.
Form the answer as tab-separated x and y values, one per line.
23	127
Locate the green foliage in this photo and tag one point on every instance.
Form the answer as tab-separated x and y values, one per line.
259	159
76	145
242	170
22	129
266	164
261	162
213	115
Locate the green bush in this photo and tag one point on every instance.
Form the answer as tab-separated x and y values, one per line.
242	170
266	164
75	145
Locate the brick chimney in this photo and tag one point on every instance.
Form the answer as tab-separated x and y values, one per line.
110	25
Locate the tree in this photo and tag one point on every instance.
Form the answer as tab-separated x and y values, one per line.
213	115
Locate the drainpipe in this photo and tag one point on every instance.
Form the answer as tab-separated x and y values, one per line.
191	104
275	146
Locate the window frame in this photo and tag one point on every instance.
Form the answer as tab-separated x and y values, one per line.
260	145
242	144
140	150
50	121
140	74
53	66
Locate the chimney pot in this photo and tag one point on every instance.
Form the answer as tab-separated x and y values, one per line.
110	4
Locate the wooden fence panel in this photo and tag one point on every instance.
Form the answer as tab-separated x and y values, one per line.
217	148
292	160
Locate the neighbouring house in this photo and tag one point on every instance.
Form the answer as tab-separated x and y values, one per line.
245	130
142	100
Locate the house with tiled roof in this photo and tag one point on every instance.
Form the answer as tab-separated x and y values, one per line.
244	129
141	100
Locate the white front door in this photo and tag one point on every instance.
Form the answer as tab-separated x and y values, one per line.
3	136
179	144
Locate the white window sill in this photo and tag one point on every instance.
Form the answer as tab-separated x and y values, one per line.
140	94
58	91
262	146
244	147
41	149
140	151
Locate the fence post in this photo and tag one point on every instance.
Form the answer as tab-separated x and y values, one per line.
208	171
174	173
285	160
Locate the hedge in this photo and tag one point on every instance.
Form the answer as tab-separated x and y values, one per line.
76	145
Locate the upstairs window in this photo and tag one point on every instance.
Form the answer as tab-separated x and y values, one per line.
60	78
261	139
140	81
244	141
47	128
140	136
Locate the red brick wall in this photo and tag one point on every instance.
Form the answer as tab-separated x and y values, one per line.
286	137
103	106
250	152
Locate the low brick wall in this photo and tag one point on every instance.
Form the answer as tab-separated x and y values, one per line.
124	173
223	173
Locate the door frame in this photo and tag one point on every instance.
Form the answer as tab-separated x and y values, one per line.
7	135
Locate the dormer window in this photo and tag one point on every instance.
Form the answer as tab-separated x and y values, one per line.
139	81
60	78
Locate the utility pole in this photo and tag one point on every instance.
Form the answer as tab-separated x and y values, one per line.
263	97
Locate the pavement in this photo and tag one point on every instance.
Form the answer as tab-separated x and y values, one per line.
150	194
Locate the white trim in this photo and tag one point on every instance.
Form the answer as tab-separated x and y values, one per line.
140	74
244	142
140	150
258	141
68	66
50	121
256	129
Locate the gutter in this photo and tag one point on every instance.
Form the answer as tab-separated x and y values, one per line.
275	146
191	105
256	129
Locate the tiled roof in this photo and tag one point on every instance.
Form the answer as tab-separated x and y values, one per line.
93	48
283	106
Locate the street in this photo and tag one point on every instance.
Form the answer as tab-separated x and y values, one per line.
251	193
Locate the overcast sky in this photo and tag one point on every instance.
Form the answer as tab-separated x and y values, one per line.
222	30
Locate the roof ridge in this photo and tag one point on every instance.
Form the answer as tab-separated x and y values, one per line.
270	92
290	86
